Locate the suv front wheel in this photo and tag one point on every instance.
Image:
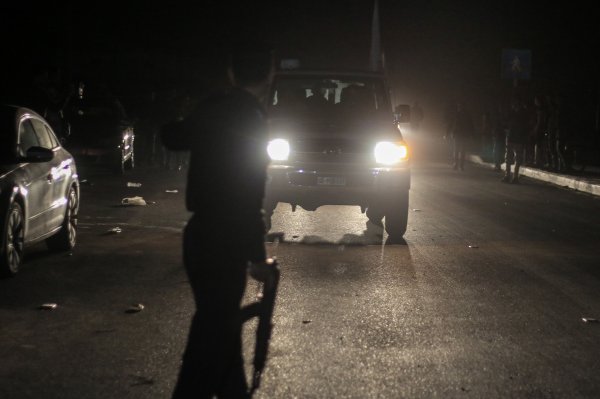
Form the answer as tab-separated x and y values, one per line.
396	215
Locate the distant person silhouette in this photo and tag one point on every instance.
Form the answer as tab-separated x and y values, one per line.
538	135
227	139
462	131
499	127
317	99
291	101
557	136
516	138
417	116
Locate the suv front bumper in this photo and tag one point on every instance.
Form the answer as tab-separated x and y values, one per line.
327	184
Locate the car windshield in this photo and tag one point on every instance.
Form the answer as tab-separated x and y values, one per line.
327	97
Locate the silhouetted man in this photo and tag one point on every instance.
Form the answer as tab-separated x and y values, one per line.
417	116
227	139
462	130
518	129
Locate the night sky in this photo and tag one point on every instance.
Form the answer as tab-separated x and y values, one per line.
433	49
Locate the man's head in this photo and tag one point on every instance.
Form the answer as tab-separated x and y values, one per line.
251	64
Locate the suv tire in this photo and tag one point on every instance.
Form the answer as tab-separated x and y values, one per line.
396	216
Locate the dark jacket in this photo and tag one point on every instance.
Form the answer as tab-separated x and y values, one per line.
227	139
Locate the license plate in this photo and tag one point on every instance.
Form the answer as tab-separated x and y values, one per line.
331	181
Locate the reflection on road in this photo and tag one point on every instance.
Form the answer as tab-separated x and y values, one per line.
340	225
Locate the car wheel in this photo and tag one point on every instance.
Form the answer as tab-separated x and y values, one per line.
13	235
396	216
66	237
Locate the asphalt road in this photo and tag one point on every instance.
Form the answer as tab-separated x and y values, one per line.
485	297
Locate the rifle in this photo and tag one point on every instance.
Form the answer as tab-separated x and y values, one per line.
263	309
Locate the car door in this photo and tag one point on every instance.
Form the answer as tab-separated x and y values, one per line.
59	175
35	183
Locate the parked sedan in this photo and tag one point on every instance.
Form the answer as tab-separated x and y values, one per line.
39	187
100	131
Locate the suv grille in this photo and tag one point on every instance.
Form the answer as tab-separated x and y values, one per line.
330	150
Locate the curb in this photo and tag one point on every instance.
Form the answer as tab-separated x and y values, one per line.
576	183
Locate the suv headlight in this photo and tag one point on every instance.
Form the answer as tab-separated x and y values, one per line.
389	153
278	149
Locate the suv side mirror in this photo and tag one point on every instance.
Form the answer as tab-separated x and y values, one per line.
39	154
402	113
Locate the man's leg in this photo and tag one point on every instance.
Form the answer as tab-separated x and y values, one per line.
212	362
519	149
463	148
508	156
560	155
496	153
235	385
456	142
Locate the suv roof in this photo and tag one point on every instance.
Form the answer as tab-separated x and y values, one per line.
343	72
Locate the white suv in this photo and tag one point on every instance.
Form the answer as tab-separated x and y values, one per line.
335	140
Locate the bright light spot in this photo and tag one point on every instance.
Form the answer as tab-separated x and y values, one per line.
279	149
389	153
59	203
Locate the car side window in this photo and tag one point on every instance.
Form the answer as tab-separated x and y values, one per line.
27	137
55	142
43	137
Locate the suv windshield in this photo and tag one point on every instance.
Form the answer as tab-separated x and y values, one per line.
327	97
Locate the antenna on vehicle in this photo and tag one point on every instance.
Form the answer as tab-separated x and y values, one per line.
376	59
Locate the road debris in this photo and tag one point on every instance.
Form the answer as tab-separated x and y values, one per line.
48	306
306	321
135	308
416	210
130	184
114	230
473	246
589	320
172	191
133	201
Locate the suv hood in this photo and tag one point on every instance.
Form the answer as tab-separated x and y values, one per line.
331	129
